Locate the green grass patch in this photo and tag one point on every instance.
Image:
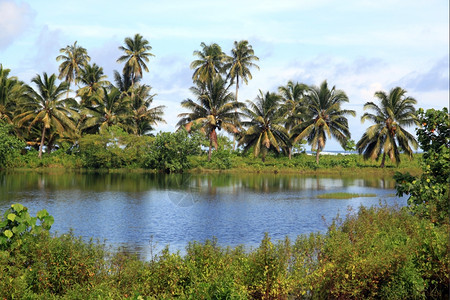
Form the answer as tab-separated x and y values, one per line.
343	195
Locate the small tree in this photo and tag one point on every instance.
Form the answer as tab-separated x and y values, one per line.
429	193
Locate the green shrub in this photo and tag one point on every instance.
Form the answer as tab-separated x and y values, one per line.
382	252
10	147
170	151
429	193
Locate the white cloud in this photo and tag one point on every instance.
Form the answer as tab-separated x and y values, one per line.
15	19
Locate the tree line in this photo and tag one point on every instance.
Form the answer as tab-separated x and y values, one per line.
46	114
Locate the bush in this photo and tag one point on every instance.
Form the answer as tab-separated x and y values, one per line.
10	147
377	253
430	193
170	151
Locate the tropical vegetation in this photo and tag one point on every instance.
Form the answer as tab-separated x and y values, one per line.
49	116
388	134
374	253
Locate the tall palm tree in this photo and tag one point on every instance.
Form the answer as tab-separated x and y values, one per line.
109	108
46	106
239	63
210	62
143	116
136	55
292	107
324	118
73	59
92	79
214	109
264	129
387	135
11	91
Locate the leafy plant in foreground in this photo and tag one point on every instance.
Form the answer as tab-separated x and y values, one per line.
429	193
17	222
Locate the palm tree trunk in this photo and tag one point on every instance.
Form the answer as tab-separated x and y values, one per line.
383	160
210	149
42	142
290	153
317	156
237	88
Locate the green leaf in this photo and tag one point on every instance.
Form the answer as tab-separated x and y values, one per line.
12	217
17	207
8	233
41	214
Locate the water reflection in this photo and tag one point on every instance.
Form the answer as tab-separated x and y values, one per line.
129	208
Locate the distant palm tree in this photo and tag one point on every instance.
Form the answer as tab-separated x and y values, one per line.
46	106
108	109
210	62
92	79
213	110
292	107
73	59
143	116
324	118
239	63
11	91
136	55
264	129
388	136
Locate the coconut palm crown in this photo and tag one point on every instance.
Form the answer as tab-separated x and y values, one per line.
73	59
46	106
136	55
264	128
325	118
388	136
214	109
210	62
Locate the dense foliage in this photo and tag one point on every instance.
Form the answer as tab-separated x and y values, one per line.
429	193
376	253
49	116
10	146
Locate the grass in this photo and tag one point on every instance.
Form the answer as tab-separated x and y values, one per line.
343	195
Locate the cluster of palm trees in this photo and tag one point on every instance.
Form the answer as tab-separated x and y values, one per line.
274	121
46	114
297	112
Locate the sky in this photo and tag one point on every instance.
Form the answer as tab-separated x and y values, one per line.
358	46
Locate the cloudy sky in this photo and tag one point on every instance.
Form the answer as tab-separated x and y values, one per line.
360	46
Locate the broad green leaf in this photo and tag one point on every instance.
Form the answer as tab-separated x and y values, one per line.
41	214
12	217
17	207
8	233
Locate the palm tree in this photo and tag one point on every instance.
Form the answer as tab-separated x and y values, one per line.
264	131
74	58
136	55
215	109
11	91
387	135
239	64
45	106
109	108
324	118
292	107
93	79
209	63
144	117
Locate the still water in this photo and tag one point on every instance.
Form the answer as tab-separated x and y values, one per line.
144	211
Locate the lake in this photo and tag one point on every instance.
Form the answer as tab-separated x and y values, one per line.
140	212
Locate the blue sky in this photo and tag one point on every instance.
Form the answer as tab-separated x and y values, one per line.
360	46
